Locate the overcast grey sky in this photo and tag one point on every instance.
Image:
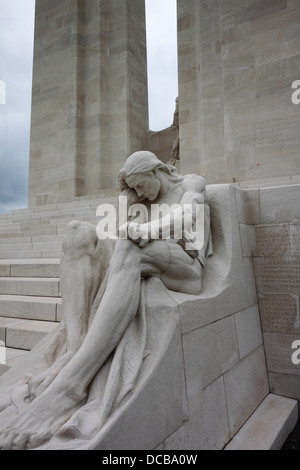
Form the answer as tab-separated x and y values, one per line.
16	51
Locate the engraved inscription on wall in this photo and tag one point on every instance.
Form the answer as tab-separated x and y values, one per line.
280	313
274	276
266	132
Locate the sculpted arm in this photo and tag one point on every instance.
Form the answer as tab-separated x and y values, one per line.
176	218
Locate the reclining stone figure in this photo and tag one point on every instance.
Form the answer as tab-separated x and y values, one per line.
101	294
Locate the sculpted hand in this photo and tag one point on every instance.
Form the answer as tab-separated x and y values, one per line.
138	233
132	196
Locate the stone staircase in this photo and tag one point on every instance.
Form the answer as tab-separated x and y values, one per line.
30	251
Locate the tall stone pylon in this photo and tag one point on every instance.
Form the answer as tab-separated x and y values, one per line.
90	100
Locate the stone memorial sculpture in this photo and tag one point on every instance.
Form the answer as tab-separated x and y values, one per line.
70	384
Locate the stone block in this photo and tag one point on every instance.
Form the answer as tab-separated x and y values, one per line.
51	253
279	351
20	254
246	385
4	270
207	427
250	281
208	353
27	307
38	268
248	239
248	330
26	334
44	246
272	241
248	205
268	427
286	385
4	323
259	9
229	7
12	356
280	313
280	205
42	287
59	312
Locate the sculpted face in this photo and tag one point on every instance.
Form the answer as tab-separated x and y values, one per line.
146	185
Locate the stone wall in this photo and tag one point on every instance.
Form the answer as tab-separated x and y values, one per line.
161	142
89	104
237	62
277	273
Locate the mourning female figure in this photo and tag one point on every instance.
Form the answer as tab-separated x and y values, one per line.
112	271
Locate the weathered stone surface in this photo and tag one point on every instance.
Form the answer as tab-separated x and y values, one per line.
280	313
272	241
279	205
26	334
248	239
207	427
237	62
35	308
246	385
259	9
4	270
278	349
277	275
215	346
12	356
4	323
251	283
48	287
248	330
268	427
248	205
286	385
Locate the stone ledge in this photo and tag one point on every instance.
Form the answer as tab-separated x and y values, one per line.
12	356
268	427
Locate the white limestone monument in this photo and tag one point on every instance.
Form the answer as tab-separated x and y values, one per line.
175	332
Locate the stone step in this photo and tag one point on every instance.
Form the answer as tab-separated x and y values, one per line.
8	254
5	243
18	333
268	427
49	230
36	246
28	286
93	219
9	357
30	307
30	267
77	206
26	335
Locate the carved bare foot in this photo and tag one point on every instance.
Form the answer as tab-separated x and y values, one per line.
37	385
41	419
